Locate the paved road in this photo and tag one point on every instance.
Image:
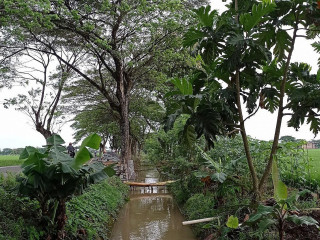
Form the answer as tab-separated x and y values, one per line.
14	169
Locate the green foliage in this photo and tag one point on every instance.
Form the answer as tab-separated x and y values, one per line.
89	215
287	138
234	64
280	189
18	215
278	215
54	174
183	85
199	206
233	222
53	177
94	210
183	189
250	20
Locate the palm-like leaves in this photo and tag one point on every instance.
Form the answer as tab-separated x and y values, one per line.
250	20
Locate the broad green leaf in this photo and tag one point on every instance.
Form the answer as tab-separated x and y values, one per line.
82	156
66	168
58	156
207	226
170	119
232	222
261	212
55	140
92	141
189	135
201	174
283	41
172	93
35	161
192	37
110	171
318	75
102	173
205	16
27	151
302	220
281	192
183	85
209	160
266	223
220	176
280	189
250	20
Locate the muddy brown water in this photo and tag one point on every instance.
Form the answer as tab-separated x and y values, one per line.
150	214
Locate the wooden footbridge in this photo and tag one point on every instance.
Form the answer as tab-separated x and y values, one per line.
148	185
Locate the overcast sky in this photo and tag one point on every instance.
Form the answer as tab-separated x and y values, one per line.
16	130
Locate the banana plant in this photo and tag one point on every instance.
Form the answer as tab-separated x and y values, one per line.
52	177
215	168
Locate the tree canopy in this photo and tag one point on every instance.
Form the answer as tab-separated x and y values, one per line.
244	56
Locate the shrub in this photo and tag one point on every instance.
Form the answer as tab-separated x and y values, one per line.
197	207
17	214
182	190
90	213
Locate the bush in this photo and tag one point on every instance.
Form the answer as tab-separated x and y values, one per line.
90	214
197	207
17	214
200	206
182	190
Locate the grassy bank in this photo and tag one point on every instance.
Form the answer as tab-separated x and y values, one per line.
89	215
9	160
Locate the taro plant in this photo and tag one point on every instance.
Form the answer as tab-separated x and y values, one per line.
282	211
52	177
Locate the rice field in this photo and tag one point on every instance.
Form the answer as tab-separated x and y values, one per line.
314	155
9	160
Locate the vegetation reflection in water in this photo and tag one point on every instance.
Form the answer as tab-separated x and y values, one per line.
150	215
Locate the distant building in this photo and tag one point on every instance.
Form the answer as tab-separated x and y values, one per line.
309	145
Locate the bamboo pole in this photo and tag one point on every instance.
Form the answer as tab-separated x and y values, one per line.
199	221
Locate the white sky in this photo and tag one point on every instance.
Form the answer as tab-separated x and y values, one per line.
17	130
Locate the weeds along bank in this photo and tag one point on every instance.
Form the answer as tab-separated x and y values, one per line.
88	215
216	183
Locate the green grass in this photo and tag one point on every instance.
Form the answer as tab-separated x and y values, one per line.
9	160
314	154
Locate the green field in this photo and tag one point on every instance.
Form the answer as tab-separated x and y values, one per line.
9	160
314	154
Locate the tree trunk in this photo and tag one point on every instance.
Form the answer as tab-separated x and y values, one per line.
44	132
245	140
125	134
61	219
275	144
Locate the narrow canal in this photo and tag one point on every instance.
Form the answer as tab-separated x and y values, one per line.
150	215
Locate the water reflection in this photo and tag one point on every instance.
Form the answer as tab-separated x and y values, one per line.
150	215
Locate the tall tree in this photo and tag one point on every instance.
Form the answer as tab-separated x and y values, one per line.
235	65
43	77
125	41
145	115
